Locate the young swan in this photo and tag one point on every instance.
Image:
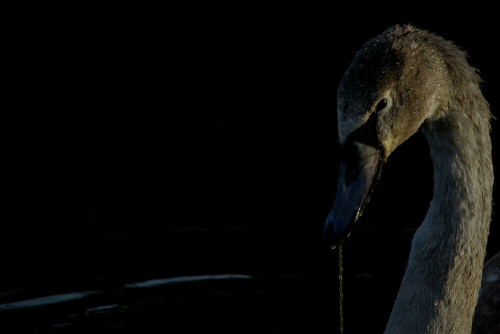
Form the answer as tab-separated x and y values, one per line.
400	81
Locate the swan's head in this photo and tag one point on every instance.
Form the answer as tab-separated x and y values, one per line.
396	82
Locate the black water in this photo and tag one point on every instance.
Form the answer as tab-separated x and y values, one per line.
174	176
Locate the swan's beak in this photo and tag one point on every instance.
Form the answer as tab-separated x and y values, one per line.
359	171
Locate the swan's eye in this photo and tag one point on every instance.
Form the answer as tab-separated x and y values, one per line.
381	105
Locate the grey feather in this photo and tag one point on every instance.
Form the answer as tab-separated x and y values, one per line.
430	86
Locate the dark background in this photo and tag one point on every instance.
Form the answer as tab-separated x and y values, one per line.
151	143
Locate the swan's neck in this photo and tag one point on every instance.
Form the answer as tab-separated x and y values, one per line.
439	290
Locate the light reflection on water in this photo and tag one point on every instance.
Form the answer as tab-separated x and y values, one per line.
184	279
72	296
47	300
110	309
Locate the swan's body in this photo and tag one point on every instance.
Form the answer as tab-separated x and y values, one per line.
400	81
487	314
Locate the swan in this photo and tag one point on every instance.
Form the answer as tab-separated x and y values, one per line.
401	81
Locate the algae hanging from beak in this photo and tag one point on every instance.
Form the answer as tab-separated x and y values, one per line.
341	294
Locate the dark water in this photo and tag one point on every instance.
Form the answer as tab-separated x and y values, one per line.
261	290
246	258
173	174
